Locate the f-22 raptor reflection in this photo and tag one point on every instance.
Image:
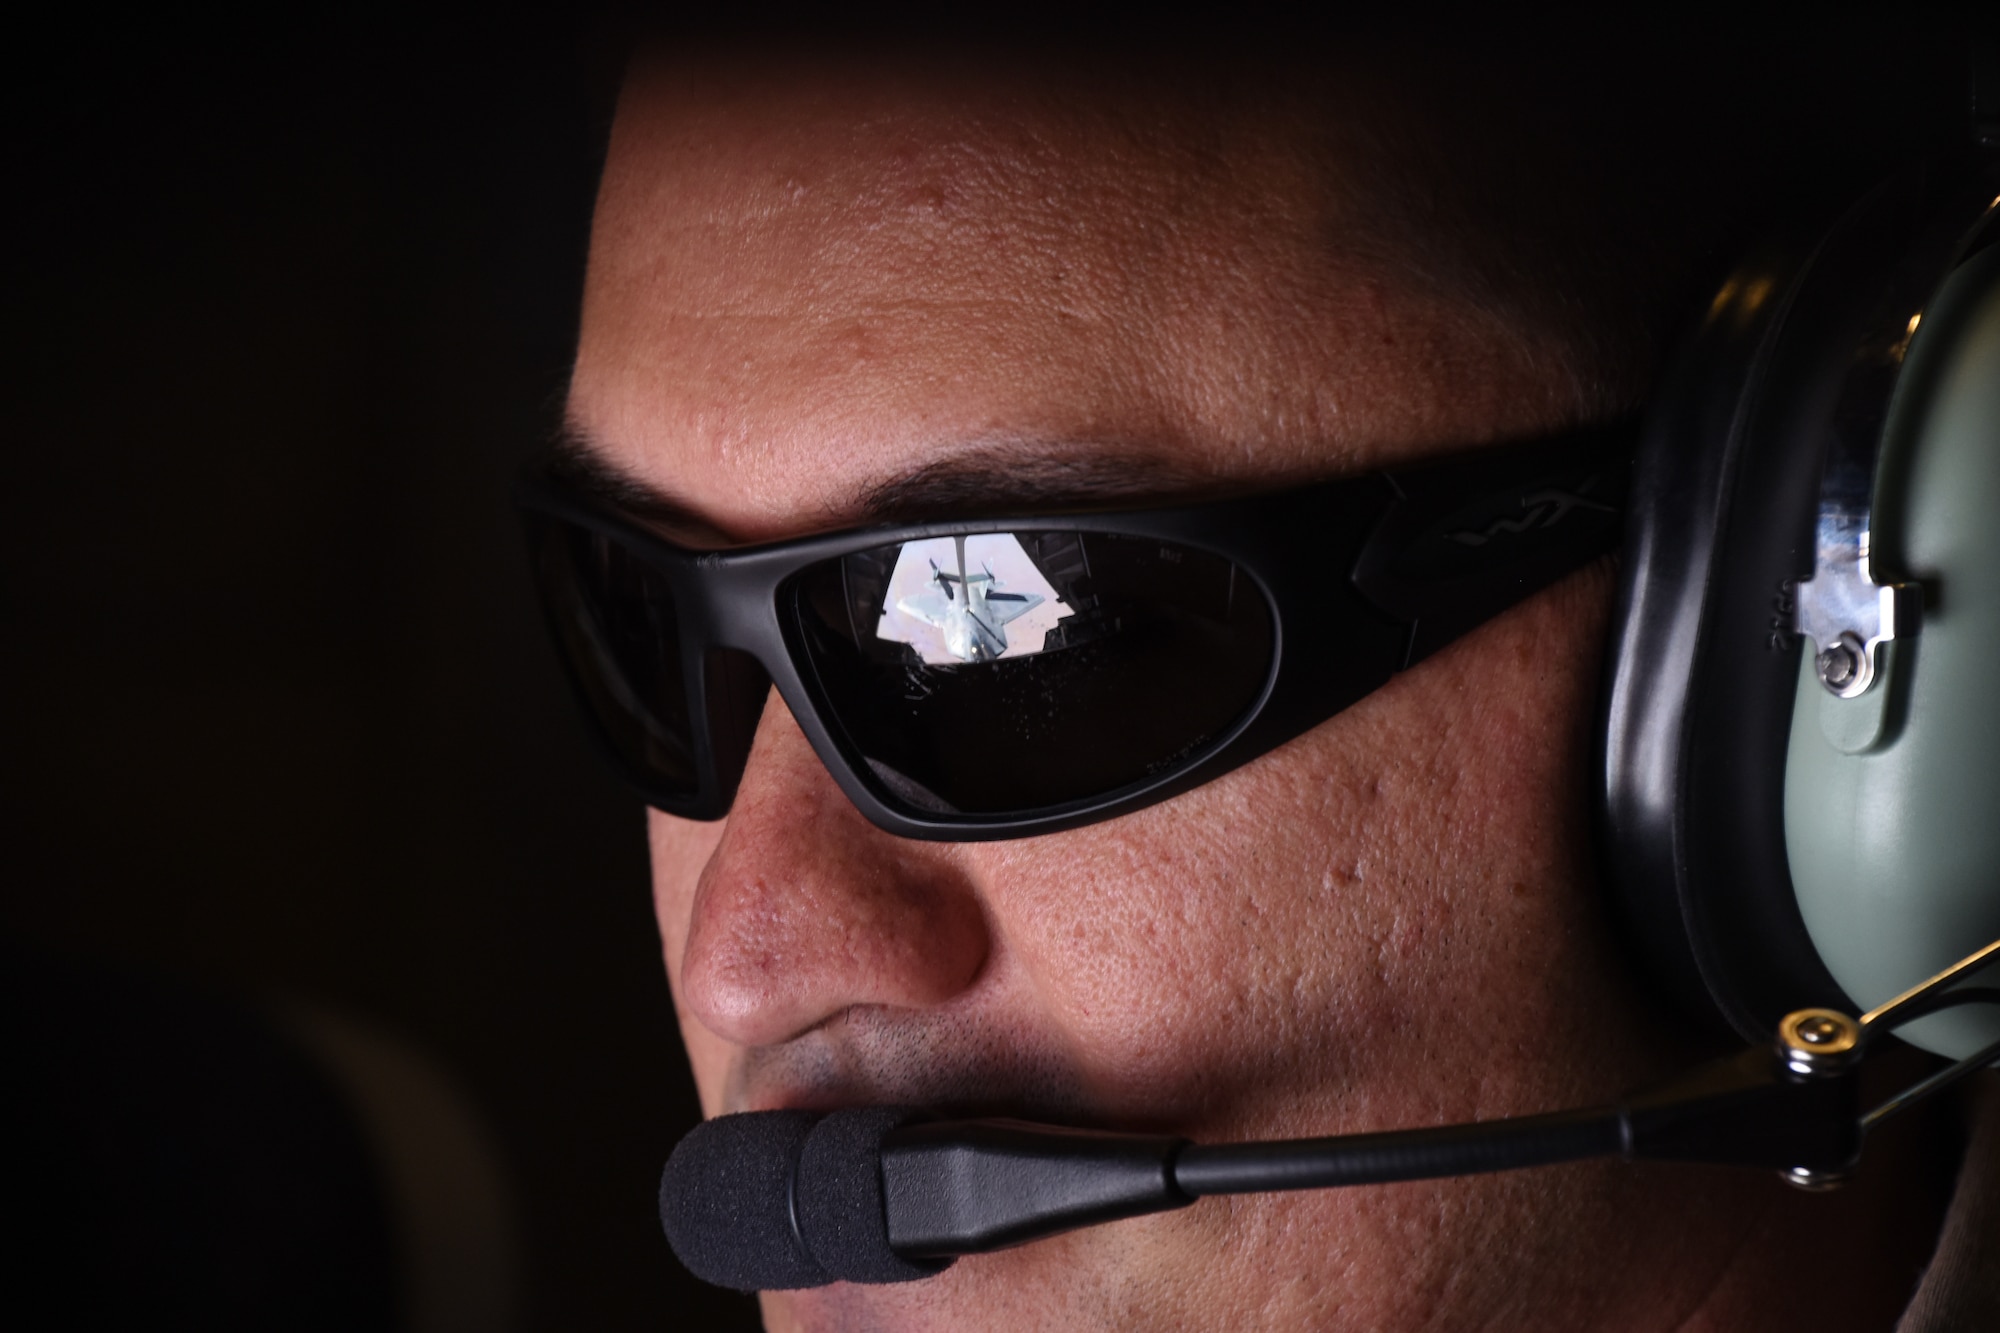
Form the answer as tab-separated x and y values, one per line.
970	609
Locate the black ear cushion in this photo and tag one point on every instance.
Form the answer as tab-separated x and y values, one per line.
1703	668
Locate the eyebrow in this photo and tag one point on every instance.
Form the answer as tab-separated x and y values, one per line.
581	462
994	478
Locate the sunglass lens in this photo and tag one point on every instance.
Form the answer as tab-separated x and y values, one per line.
1006	673
614	618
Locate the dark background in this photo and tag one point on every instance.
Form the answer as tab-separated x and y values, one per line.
285	310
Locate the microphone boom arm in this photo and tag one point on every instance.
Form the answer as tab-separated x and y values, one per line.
971	1186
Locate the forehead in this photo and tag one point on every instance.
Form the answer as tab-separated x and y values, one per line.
811	279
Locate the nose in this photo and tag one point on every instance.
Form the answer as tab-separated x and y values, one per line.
805	909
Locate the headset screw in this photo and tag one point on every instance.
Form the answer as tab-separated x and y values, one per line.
1843	667
1814	1043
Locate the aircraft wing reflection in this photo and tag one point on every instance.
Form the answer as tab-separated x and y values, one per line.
970	609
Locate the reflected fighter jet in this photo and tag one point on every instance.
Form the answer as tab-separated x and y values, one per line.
970	609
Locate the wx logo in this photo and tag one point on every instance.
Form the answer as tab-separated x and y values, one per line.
1543	509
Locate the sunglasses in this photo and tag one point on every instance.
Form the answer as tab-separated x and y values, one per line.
994	678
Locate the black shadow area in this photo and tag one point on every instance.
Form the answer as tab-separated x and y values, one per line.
285	310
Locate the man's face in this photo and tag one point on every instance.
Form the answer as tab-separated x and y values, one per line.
817	286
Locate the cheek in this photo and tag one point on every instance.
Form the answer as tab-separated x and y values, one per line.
1214	950
1320	919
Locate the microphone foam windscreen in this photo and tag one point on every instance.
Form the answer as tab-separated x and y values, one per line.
840	1205
726	1202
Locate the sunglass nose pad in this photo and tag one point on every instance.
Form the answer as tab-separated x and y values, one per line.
736	687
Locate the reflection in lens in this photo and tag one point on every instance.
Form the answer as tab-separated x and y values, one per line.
1008	672
614	618
985	601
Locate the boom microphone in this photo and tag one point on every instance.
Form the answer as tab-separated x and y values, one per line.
780	1199
771	1200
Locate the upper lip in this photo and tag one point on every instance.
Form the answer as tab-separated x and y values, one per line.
825	1071
956	1065
987	1094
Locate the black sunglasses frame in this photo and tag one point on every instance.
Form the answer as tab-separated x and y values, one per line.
1363	577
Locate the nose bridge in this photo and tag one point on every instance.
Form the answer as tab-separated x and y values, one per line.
742	654
737	593
804	909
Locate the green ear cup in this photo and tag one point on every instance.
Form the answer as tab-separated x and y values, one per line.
1892	799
